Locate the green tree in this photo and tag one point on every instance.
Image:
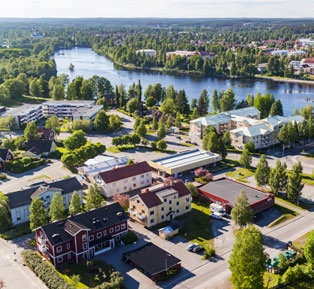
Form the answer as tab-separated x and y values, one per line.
247	259
76	140
245	159
5	220
203	103
169	122
57	92
215	101
141	129
132	105
283	134
295	186
56	211
161	145
93	198
38	214
276	108
161	132
309	250
227	101
31	131
262	172
250	147
75	206
195	113
182	103
101	121
178	122
35	88
274	178
52	122
167	106
226	139
241	213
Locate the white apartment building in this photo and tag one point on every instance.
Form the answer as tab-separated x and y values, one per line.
148	52
124	179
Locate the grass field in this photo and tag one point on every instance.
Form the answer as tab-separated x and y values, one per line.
241	174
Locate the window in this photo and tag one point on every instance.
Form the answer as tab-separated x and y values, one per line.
60	260
187	199
111	230
68	245
134	185
117	228
134	178
152	213
187	207
91	237
124	188
59	249
99	234
69	256
170	209
177	203
105	233
138	201
178	211
122	226
162	217
125	181
170	202
142	176
84	238
162	208
152	221
142	183
84	246
165	200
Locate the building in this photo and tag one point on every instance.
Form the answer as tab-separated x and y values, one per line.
142	257
175	165
72	109
25	113
46	133
308	61
224	121
279	52
305	42
147	52
20	201
295	64
296	53
188	54
124	179
263	133
82	236
225	191
160	203
38	148
5	155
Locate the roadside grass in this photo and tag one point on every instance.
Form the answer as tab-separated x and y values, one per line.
287	214
299	243
283	200
241	174
197	226
17	231
308	155
79	285
113	149
308	179
41	177
91	272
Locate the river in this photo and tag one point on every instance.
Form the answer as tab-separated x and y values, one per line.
88	63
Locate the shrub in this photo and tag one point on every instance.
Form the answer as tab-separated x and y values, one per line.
129	238
3	176
209	252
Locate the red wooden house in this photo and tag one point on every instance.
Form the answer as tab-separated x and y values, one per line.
82	236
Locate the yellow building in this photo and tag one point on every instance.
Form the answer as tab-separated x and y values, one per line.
160	203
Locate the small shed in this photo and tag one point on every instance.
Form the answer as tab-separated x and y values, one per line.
167	232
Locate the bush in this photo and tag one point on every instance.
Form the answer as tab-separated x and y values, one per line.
3	176
44	271
209	252
129	238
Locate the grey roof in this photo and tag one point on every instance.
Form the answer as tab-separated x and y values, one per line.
3	154
39	146
93	220
229	190
23	197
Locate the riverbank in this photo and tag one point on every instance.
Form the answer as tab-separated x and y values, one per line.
284	79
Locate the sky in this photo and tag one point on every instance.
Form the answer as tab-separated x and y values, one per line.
157	8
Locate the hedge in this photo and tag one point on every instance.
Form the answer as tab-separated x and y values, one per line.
44	271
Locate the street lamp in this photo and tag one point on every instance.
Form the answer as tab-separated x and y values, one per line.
167	262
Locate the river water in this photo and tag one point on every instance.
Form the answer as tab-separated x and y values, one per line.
88	63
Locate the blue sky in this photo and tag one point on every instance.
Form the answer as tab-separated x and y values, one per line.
158	8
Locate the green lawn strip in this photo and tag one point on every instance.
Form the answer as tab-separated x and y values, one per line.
299	243
113	149
91	272
289	204
197	226
286	215
241	174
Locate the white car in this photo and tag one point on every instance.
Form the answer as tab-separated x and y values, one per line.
216	216
191	246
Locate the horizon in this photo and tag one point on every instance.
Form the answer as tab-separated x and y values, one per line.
165	9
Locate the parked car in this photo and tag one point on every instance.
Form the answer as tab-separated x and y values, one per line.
216	216
197	249
188	141
178	137
191	246
195	143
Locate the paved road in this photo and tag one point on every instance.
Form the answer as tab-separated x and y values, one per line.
14	274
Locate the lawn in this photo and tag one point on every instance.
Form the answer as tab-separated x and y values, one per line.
241	174
197	225
91	272
299	243
286	215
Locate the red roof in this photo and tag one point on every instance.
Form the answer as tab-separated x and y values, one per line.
308	60
125	172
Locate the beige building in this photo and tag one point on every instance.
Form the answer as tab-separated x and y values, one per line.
160	203
124	179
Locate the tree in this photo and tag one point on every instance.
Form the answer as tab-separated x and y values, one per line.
5	220
245	159
122	199
247	259
57	92
262	172
35	88
309	250
295	186
52	122
241	213
182	103
31	131
132	105
274	178
76	140
283	134
203	103
101	121
161	145
94	198
215	101
56	211
114	122
161	132
178	122
227	101
167	106
141	129
276	108
38	215
75	206
226	139
250	146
